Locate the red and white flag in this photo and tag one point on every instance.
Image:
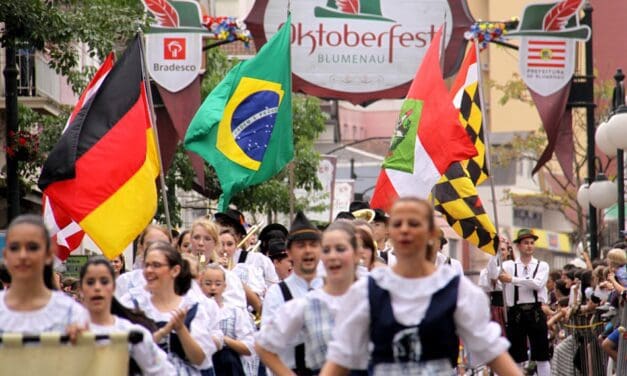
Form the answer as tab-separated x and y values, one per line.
547	53
65	232
427	139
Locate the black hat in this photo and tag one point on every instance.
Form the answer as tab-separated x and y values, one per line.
276	249
232	218
265	234
345	215
380	216
358	205
302	229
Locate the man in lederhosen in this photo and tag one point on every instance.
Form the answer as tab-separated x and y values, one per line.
525	284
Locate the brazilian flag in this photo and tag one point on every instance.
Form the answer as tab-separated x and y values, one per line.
244	127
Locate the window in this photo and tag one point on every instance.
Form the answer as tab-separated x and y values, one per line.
527	218
25	60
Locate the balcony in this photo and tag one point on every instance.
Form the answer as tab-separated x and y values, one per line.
39	87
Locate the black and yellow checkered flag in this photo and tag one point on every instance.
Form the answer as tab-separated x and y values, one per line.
455	194
457	199
471	119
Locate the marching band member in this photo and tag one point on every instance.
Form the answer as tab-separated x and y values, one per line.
205	243
412	313
234	220
281	260
107	315
311	319
30	305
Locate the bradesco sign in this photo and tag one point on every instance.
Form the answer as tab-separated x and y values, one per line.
361	50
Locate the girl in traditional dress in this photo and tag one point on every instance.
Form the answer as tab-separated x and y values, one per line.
31	306
311	319
237	356
107	315
413	312
189	331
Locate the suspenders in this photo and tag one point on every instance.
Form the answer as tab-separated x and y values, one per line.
535	292
242	257
299	351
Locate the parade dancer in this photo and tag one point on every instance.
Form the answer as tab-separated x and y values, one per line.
107	315
525	292
405	320
30	305
189	331
303	247
312	318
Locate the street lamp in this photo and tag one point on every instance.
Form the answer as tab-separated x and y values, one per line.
602	192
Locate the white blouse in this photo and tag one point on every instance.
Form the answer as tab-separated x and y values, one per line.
55	316
285	330
244	330
148	356
410	299
203	328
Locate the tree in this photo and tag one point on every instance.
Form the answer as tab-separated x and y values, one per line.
57	27
557	189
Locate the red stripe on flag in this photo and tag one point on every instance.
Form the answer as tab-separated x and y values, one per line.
107	165
545	65
384	194
554	50
549	42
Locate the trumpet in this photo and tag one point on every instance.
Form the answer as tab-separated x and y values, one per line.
254	229
364	214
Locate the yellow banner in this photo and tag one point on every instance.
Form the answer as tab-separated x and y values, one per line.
50	357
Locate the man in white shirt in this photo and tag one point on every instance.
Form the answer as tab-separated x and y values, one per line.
303	247
525	292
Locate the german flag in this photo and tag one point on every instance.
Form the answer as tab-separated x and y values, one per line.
102	171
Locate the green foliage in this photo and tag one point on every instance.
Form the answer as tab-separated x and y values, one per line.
48	129
179	175
101	25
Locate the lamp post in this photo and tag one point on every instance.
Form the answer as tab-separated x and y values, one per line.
617	132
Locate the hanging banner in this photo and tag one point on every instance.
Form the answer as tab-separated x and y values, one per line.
174	43
362	50
343	195
548	33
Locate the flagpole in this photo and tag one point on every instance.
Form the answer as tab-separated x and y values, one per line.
290	167
486	134
153	118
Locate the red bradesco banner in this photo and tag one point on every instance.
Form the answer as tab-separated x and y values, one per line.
362	50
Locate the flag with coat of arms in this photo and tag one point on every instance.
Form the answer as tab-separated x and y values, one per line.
244	127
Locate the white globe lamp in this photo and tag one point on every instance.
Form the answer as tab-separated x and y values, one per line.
603	192
603	141
583	197
617	128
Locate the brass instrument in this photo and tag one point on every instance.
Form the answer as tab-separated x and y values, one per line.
254	229
364	214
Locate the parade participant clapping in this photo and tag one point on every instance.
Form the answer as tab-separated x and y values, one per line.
311	318
107	315
189	331
235	357
405	319
30	305
303	247
135	278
